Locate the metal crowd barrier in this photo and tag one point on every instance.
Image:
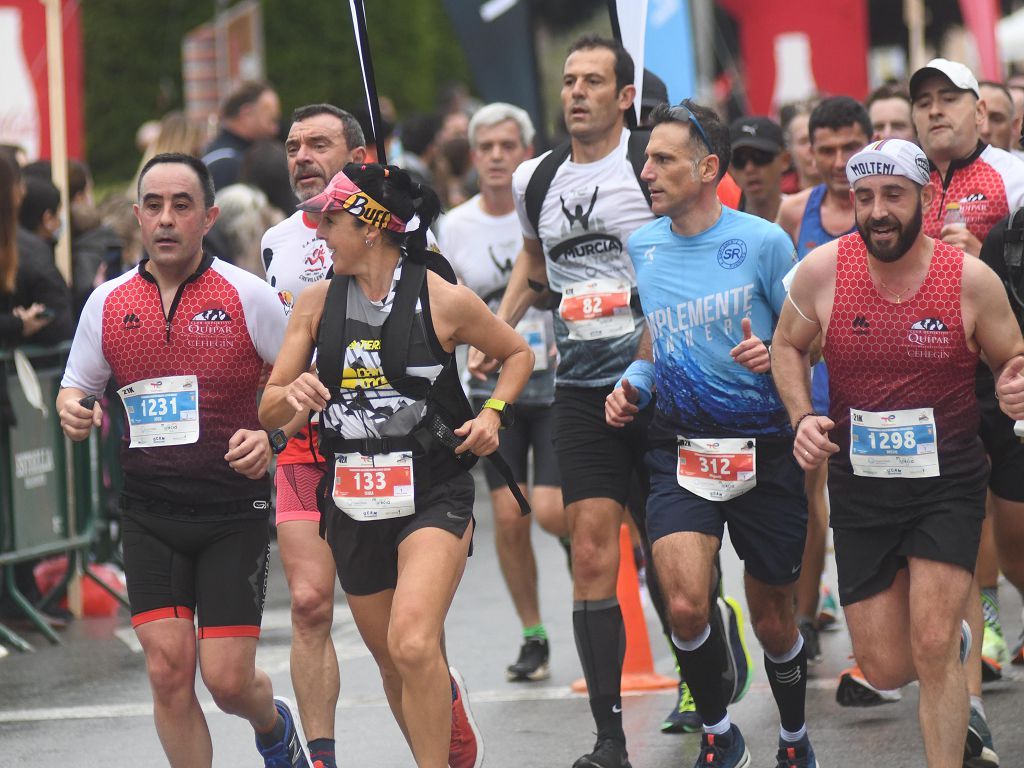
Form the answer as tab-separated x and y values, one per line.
51	490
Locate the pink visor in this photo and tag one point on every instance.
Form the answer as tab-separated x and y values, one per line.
342	194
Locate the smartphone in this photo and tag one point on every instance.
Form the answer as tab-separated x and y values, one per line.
46	313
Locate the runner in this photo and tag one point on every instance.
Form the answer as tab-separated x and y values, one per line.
185	337
903	319
400	543
481	238
720	444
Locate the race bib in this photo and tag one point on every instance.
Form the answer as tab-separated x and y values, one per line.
597	309
894	443
717	469
162	411
533	331
374	487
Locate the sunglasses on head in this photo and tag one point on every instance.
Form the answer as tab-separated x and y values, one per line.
759	157
682	113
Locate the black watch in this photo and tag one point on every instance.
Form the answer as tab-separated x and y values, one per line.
506	411
278	440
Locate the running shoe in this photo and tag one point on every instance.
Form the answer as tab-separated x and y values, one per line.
684	717
798	754
965	640
608	753
855	691
994	652
1018	654
725	751
466	749
978	750
532	664
828	614
739	656
287	753
812	641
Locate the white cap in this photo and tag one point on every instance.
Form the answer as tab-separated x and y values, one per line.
958	74
889	157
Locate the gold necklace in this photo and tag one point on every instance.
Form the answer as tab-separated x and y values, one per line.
897	296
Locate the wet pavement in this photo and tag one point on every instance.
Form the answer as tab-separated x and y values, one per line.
87	703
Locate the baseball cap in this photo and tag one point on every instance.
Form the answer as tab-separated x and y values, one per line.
758	133
958	74
654	91
889	157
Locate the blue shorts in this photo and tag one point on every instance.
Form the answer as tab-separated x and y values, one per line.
767	524
819	388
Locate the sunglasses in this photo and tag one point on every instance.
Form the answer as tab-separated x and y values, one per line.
759	157
681	113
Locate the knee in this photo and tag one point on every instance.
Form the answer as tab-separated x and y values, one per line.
227	685
775	634
170	675
312	607
933	650
591	560
880	674
512	530
688	617
411	649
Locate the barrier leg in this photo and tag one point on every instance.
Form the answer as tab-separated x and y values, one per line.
16	640
29	610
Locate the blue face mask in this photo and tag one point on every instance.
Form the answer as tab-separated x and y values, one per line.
55	234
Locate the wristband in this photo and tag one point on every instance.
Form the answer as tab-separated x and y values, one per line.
796	427
640	374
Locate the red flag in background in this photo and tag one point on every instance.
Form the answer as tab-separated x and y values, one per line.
980	17
791	52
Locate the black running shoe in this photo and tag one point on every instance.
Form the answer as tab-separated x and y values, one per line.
812	641
532	664
608	753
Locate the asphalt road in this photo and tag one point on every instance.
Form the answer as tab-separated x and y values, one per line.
87	703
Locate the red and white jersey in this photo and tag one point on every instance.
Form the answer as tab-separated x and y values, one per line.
294	257
222	326
987	184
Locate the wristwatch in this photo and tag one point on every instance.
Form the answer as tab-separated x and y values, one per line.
278	440
506	411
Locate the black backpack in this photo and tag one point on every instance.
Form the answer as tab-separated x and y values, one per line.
1013	257
447	404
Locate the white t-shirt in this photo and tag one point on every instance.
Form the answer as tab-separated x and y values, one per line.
588	213
482	249
294	257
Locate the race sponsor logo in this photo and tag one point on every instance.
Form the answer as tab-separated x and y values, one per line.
930	338
861	326
132	322
732	253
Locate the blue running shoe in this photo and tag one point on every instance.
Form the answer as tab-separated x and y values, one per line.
978	751
725	751
684	717
732	616
799	754
287	753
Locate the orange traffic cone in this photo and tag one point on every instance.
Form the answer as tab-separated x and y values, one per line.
638	667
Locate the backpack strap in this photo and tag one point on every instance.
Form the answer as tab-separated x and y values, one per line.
540	182
397	331
330	334
637	151
1013	257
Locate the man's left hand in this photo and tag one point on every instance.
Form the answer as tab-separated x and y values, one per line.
1010	389
249	453
751	353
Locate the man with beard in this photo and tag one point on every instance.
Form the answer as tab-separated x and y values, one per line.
903	318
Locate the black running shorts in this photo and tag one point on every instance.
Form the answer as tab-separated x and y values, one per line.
531	429
176	567
594	459
366	553
947	531
1005	450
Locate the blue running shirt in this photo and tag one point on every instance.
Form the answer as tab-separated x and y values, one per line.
694	292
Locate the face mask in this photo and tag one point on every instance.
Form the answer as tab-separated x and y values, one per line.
55	234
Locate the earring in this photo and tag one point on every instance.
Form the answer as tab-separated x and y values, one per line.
369	243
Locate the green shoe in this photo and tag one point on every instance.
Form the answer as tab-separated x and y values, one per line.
994	652
684	717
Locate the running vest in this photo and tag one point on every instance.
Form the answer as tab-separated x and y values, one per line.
884	356
812	231
393	386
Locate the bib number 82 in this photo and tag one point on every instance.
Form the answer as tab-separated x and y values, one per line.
892	440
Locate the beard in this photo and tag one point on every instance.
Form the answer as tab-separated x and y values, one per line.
308	191
906	235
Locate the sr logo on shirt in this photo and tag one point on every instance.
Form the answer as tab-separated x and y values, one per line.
732	254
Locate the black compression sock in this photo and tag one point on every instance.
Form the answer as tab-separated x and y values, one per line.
601	644
274	735
788	680
702	669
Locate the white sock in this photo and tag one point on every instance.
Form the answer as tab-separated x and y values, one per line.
720	728
692	645
793	736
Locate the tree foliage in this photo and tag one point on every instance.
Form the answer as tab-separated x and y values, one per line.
133	62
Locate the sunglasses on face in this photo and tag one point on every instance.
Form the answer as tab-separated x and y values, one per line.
681	113
759	157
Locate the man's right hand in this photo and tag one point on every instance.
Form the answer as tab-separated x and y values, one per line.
621	405
479	365
77	421
812	446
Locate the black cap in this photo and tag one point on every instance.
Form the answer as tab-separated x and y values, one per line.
757	132
654	91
